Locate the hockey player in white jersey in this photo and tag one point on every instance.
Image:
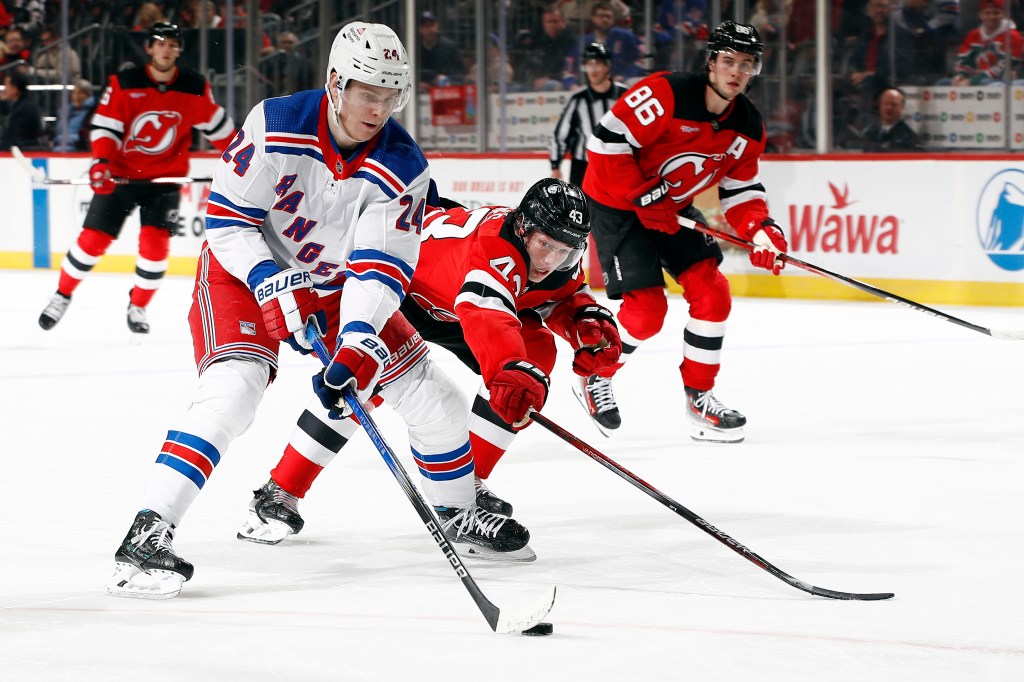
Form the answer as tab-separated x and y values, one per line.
315	211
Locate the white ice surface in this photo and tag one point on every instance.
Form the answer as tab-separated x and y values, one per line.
885	452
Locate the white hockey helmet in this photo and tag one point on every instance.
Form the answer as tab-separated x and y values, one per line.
373	54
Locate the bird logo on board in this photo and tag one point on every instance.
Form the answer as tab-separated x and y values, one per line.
1000	219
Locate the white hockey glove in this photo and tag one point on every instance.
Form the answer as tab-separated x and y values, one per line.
770	243
287	300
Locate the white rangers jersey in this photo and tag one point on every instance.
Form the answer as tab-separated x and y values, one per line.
284	197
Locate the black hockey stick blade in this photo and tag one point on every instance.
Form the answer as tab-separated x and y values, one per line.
714	532
1002	334
500	620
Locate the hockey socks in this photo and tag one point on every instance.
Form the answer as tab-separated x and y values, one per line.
81	258
151	264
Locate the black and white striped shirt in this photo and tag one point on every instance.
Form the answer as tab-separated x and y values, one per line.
582	112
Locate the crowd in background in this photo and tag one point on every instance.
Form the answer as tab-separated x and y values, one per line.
876	45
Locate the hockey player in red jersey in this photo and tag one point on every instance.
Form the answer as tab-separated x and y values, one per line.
494	286
142	129
668	138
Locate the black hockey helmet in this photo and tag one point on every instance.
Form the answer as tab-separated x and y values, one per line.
733	37
596	50
559	210
162	30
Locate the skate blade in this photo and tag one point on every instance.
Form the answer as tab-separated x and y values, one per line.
132	582
603	430
255	529
704	433
470	551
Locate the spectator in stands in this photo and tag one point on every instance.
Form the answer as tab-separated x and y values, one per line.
15	47
83	104
149	13
982	56
286	69
47	61
683	20
872	61
934	26
891	133
29	15
24	122
577	11
192	13
494	67
623	43
549	47
440	60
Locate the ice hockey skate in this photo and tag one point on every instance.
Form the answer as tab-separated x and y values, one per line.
137	319
273	516
596	396
488	501
145	565
480	534
712	421
54	310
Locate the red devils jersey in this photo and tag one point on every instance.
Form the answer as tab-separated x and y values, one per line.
661	130
473	270
144	128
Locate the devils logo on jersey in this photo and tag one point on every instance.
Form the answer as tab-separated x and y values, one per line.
687	174
153	132
439	314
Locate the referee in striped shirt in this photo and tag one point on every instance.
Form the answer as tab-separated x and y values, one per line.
582	112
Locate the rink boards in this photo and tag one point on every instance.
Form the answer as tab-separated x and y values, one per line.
937	229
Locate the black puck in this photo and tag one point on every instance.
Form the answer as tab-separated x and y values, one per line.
540	629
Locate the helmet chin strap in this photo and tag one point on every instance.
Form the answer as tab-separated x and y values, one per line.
335	110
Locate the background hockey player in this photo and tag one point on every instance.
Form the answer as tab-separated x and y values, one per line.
667	139
318	191
582	112
142	129
493	286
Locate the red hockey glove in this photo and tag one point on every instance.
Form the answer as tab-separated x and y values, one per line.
357	364
655	208
100	179
770	243
287	300
518	387
599	343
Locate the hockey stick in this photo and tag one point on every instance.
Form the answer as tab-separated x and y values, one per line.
40	177
500	620
719	535
1005	334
